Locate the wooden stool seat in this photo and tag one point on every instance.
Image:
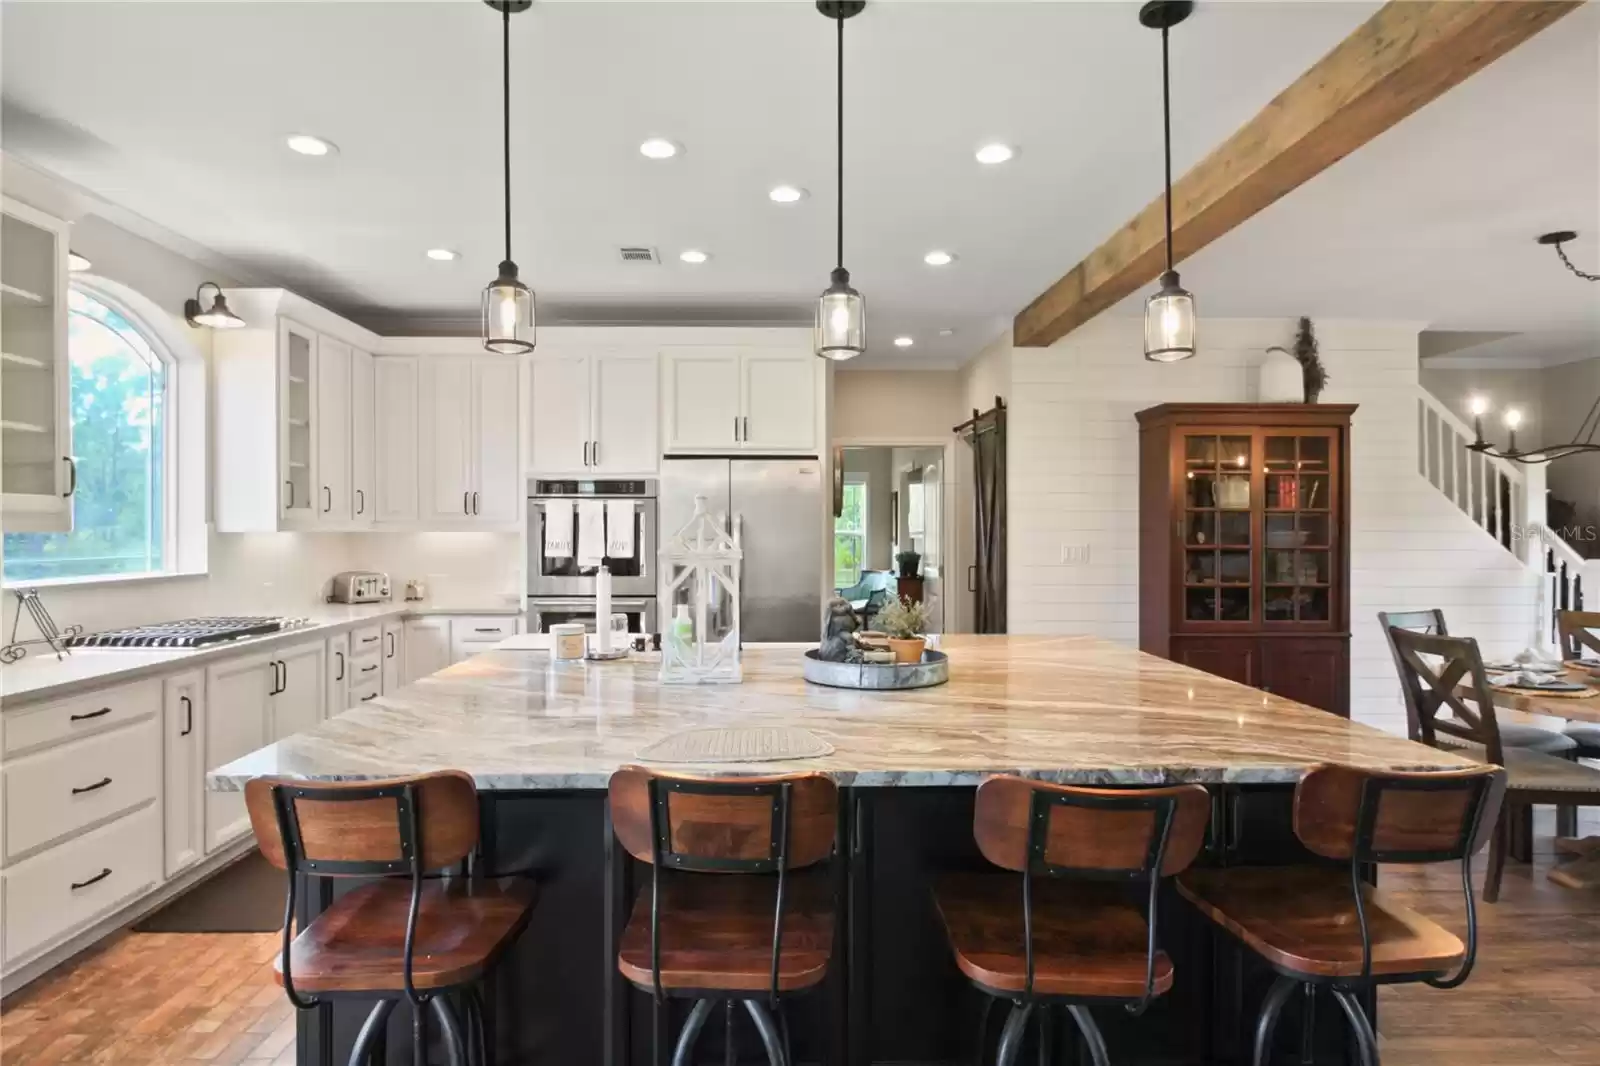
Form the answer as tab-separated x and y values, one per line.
1090	939
358	944
1303	920
716	933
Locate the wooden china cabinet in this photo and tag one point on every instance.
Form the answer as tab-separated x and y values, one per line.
1244	544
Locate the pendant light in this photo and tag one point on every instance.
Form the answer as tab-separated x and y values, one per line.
507	303
841	329
1169	314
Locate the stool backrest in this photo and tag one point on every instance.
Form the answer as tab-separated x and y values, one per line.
400	825
1428	689
1576	631
1431	621
1137	835
1371	817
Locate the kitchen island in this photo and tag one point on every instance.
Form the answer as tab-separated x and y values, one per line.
541	739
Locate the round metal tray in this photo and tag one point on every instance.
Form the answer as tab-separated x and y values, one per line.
934	669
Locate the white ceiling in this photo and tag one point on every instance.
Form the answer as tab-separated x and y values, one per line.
177	111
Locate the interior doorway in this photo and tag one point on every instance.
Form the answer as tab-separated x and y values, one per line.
889	539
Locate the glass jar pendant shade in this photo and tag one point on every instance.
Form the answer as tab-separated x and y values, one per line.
1169	322
508	323
841	328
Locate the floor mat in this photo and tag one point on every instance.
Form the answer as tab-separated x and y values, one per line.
247	897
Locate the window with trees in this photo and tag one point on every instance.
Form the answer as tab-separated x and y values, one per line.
121	405
850	536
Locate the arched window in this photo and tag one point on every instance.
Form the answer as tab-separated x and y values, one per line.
121	393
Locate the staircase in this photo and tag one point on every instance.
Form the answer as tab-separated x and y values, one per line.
1507	501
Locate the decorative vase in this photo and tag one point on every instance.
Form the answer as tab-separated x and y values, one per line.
908	650
1281	380
908	562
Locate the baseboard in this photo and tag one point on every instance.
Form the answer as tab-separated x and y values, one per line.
18	977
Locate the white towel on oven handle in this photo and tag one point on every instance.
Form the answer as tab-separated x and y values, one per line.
619	528
591	532
558	529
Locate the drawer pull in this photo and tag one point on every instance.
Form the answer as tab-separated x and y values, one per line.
369	640
487	629
97	786
101	876
368	669
364	699
101	713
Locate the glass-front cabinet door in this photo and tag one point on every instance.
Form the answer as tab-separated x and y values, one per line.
1219	528
298	498
1298	560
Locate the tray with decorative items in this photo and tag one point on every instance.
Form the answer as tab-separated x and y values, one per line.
893	656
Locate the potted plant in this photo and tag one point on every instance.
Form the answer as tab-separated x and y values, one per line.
1305	353
904	620
908	561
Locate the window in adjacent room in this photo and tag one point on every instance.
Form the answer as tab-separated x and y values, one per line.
121	407
850	535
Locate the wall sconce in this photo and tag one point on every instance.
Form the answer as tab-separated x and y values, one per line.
77	263
217	316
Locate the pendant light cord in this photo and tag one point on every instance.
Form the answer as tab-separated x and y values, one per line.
839	155
1166	138
505	111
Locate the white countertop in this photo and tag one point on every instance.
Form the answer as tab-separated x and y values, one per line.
42	676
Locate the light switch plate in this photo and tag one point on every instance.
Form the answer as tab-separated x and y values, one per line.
1075	554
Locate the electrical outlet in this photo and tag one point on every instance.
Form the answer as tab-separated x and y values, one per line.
1075	554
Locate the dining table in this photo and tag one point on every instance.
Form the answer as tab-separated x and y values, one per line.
1581	867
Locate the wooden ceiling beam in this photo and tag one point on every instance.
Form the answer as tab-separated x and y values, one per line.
1407	54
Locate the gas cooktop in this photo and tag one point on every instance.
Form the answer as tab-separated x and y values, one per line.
188	633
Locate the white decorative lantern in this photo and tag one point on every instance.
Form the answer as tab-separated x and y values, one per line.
700	638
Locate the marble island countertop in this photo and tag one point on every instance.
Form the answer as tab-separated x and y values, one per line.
1067	709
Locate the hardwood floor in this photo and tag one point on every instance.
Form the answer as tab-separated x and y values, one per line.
172	998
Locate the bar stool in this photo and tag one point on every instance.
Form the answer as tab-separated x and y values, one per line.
1071	943
755	939
405	935
1324	926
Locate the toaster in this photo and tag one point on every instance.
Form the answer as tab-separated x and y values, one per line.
358	586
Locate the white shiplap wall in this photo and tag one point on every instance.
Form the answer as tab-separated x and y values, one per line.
1073	459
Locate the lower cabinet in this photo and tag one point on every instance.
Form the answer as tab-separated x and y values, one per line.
394	650
1310	670
338	673
427	646
239	694
302	690
184	743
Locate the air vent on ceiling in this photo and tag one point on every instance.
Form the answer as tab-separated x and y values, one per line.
638	255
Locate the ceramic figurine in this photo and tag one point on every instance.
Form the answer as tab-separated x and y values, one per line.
839	625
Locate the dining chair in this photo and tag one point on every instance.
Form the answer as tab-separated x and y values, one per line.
405	933
1092	862
732	914
1576	631
1326	927
1533	777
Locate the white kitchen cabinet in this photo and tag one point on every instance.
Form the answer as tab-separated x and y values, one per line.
394	657
332	435
729	401
184	797
239	694
301	693
469	417
338	673
594	414
427	646
396	414
297	425
363	494
36	475
472	634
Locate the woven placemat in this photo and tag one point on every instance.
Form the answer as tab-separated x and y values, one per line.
1518	690
737	744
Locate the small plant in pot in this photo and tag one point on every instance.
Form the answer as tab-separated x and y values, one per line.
904	621
908	561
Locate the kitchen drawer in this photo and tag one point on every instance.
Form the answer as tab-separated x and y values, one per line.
364	668
477	630
367	689
53	793
364	639
63	889
93	712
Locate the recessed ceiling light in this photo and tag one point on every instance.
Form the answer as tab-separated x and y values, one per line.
443	255
903	342
947	333
658	148
306	144
938	258
995	153
693	255
786	194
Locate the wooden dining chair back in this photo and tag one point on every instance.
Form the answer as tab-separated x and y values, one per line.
1365	818
1429	689
1575	631
1429	621
1138	836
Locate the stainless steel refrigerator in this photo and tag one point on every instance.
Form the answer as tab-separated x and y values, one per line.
777	506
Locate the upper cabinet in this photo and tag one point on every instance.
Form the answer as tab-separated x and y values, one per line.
468	433
36	473
395	413
719	400
593	414
363	440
